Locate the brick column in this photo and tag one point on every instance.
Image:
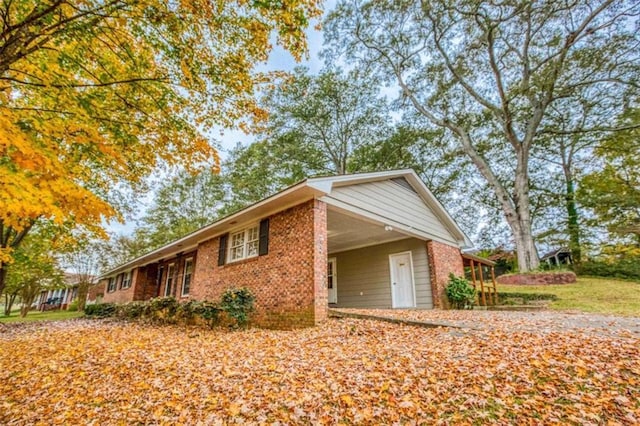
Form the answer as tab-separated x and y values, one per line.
321	296
443	260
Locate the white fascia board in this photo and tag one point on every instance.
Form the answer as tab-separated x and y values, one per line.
329	182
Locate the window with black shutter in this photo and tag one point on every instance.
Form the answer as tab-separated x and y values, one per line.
222	252
264	237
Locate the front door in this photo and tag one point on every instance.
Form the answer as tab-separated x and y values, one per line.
332	280
402	289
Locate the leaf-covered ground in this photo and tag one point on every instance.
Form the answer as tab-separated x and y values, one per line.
346	371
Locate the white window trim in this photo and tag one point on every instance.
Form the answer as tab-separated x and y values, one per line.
184	275
170	275
127	278
245	232
110	289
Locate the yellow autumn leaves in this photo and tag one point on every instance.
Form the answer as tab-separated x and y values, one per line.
96	95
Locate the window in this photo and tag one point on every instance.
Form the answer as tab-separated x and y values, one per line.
244	244
188	272
111	287
169	282
126	281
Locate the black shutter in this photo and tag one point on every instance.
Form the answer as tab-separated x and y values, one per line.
222	253
263	245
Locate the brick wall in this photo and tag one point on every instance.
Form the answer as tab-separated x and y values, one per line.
121	295
443	259
288	282
96	290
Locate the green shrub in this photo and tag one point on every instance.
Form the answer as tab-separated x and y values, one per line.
208	311
527	297
100	310
162	309
73	306
460	293
628	269
131	310
238	304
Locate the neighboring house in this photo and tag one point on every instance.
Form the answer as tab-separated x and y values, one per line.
371	240
59	298
557	257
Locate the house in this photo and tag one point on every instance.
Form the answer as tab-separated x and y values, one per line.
371	240
59	298
558	257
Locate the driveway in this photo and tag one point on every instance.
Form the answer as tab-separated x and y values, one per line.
537	322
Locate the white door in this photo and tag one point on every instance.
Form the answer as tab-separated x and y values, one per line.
402	289
332	280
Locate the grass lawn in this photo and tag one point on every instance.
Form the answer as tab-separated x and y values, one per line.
598	295
40	316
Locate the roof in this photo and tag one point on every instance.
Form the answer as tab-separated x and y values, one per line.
556	252
477	259
307	189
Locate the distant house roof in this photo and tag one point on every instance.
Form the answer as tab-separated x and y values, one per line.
554	253
72	279
307	189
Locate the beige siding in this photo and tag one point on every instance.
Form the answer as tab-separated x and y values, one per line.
394	203
366	271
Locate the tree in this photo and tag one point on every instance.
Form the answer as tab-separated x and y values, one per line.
316	126
34	268
489	75
320	121
613	192
84	262
95	93
183	204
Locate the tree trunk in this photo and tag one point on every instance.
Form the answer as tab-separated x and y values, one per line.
573	227
83	290
9	300
519	219
3	276
26	305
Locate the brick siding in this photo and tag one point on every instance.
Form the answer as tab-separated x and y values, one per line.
289	282
121	295
443	259
98	289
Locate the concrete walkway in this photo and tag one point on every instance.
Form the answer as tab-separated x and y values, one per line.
536	322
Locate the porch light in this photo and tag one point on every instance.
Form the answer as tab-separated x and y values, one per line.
388	228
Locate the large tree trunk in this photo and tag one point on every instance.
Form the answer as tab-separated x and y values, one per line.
519	219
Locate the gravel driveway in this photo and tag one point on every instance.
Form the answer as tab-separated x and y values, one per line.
540	321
